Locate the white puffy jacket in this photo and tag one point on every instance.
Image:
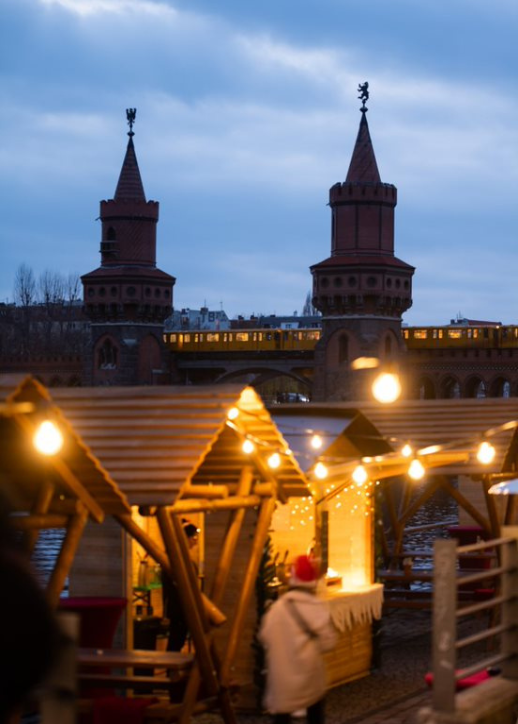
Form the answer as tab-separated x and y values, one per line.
295	670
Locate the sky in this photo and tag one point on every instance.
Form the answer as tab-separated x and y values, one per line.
247	113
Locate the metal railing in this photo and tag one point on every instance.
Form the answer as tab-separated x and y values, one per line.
448	581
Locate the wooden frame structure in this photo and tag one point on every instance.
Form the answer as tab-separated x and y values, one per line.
174	451
62	491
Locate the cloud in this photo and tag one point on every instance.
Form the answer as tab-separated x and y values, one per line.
85	8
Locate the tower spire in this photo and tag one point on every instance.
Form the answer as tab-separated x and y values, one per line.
363	167
130	184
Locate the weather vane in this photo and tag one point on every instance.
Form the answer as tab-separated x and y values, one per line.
363	90
130	115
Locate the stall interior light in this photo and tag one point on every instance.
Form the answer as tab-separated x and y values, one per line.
416	470
247	447
321	471
485	453
48	439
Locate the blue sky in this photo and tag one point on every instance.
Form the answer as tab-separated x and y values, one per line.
247	113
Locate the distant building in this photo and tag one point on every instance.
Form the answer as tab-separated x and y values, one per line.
191	319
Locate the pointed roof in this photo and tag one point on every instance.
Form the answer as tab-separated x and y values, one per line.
130	184
363	167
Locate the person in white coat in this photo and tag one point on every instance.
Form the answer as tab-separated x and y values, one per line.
295	632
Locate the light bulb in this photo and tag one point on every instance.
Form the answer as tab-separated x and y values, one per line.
48	439
316	442
248	447
321	471
360	475
386	387
274	460
416	470
233	413
485	453
406	451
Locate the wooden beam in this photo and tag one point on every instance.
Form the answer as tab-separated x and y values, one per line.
32	523
464	503
66	556
207	506
247	589
40	507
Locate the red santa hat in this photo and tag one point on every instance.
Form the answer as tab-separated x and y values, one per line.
304	572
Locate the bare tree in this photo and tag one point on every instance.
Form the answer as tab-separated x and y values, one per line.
51	287
24	286
72	287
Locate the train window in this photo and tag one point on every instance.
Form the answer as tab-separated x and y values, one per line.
441	334
225	337
435	333
260	335
300	336
268	336
455	333
196	338
314	334
211	337
406	333
187	338
242	337
254	337
230	337
420	333
475	333
172	338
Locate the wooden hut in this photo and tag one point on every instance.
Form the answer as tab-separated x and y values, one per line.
178	452
61	491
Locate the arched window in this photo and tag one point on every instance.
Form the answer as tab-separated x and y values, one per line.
450	389
500	388
425	389
108	355
343	349
476	388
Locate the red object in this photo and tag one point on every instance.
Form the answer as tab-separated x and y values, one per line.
98	618
118	710
304	570
466	683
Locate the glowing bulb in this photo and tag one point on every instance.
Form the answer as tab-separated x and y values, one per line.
360	475
274	460
48	439
316	442
248	447
233	413
320	471
386	387
485	453
416	470
406	451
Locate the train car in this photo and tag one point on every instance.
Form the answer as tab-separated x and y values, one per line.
489	336
256	340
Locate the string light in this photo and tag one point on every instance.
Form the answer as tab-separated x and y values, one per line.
406	450
416	470
248	447
386	387
316	442
360	475
274	460
233	413
485	453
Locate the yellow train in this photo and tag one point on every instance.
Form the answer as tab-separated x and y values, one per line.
243	340
487	336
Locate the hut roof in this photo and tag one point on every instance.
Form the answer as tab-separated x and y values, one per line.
157	441
75	474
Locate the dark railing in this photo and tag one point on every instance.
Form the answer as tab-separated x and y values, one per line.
501	583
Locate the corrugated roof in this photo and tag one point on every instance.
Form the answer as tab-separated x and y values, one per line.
76	472
155	440
458	424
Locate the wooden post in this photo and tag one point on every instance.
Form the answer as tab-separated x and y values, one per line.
510	607
444	625
40	507
261	533
58	702
66	556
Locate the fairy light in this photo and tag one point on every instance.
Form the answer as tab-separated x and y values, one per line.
406	450
233	413
248	446
316	442
274	460
485	453
416	470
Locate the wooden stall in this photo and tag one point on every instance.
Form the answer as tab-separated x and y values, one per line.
61	491
177	452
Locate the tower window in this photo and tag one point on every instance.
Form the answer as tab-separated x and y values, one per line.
371	281
337	281
324	282
131	291
352	281
111	234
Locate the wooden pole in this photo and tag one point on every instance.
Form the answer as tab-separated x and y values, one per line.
185	579
261	534
40	507
66	556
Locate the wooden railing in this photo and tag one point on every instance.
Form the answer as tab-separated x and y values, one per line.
503	578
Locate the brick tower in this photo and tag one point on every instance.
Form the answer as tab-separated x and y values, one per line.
127	298
362	289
